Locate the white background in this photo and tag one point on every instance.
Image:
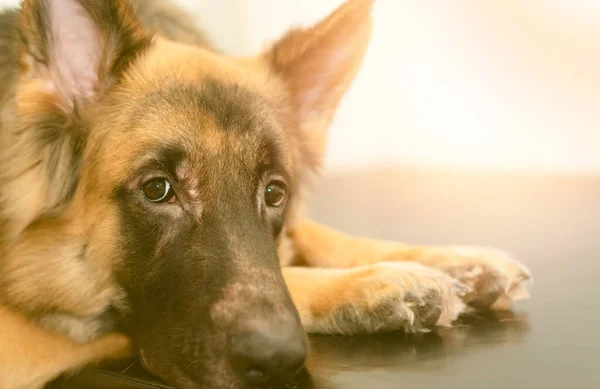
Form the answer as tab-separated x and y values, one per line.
456	84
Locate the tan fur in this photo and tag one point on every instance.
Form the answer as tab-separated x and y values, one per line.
42	230
484	270
367	299
31	357
351	22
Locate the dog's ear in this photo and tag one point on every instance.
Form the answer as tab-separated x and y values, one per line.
317	65
79	48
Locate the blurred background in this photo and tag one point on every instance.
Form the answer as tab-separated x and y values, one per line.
463	84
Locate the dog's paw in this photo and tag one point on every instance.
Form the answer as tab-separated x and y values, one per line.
496	279
388	296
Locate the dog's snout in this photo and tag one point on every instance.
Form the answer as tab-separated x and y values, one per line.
264	358
266	343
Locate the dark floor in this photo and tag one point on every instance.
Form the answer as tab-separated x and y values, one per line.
550	341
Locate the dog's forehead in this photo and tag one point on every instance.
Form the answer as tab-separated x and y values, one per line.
209	117
202	106
197	102
182	80
185	62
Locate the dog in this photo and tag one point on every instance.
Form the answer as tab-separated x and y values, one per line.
151	202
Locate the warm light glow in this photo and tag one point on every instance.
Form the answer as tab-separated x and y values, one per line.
509	85
583	11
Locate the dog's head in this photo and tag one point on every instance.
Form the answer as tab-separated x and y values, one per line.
191	167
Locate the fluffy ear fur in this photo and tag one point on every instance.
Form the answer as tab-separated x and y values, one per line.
71	51
79	47
318	65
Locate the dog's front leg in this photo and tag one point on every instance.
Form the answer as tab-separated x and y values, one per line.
383	297
495	279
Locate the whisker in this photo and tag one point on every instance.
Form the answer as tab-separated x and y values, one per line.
130	365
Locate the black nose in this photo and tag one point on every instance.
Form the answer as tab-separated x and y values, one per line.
267	358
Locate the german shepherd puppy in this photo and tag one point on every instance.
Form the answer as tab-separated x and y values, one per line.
151	190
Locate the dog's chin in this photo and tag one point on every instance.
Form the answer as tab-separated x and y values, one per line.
194	376
204	381
204	374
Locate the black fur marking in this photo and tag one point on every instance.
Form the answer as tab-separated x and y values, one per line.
233	107
170	158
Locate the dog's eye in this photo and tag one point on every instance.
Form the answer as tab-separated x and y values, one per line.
275	193
158	190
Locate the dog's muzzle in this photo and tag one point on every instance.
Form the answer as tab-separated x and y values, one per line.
267	357
266	344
